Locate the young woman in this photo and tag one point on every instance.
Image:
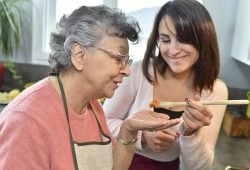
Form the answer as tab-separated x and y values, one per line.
181	63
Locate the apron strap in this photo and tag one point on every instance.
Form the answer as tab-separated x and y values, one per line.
67	115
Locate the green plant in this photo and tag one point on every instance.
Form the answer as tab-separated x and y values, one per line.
11	15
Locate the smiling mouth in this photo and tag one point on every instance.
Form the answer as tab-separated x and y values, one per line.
176	58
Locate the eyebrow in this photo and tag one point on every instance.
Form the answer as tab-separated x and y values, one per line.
164	35
167	35
113	53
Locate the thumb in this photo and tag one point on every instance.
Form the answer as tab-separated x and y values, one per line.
197	97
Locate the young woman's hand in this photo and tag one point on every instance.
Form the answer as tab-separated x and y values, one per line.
159	141
195	116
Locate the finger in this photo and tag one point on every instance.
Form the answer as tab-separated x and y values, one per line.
187	118
160	115
199	119
197	97
189	121
198	109
195	114
156	126
196	120
162	144
195	105
208	113
169	131
204	116
171	122
165	137
199	112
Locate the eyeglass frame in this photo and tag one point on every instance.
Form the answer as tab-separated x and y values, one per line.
123	59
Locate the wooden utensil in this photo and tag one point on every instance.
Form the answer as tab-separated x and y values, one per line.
164	104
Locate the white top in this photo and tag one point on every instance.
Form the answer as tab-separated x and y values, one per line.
135	93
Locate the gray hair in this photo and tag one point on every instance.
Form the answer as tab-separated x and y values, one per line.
87	26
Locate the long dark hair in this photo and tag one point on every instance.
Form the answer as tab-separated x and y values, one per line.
194	26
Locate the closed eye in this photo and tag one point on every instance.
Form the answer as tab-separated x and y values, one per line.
165	39
117	57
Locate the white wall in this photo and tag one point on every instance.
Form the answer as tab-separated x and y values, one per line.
223	12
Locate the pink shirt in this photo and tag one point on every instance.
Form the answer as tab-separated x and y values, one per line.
34	131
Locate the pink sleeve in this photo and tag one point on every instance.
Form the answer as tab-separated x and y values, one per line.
23	145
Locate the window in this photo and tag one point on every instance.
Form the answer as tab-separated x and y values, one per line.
46	13
43	17
140	10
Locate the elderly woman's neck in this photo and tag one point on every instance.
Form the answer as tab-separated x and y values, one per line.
74	91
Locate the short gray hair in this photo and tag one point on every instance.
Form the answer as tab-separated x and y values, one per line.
87	26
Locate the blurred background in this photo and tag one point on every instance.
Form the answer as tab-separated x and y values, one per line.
25	61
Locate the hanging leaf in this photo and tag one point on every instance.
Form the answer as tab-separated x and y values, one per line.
11	14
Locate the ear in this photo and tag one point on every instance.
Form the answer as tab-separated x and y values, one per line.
77	56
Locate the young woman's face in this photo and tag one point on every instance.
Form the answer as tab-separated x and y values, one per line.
104	69
179	56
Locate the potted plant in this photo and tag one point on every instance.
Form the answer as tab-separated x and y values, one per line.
12	14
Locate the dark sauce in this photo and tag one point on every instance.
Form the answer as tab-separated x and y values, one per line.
170	113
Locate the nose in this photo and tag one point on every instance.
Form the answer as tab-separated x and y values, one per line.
126	71
174	48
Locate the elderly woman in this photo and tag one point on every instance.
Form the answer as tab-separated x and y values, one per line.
58	122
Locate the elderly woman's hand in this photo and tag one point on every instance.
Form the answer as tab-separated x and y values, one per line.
147	120
195	116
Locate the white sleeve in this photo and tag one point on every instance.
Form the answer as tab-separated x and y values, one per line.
116	108
197	150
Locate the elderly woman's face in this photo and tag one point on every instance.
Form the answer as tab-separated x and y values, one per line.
179	56
108	65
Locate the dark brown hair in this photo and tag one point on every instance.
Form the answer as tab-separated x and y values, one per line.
194	26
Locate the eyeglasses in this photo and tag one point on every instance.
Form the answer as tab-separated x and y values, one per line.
123	59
